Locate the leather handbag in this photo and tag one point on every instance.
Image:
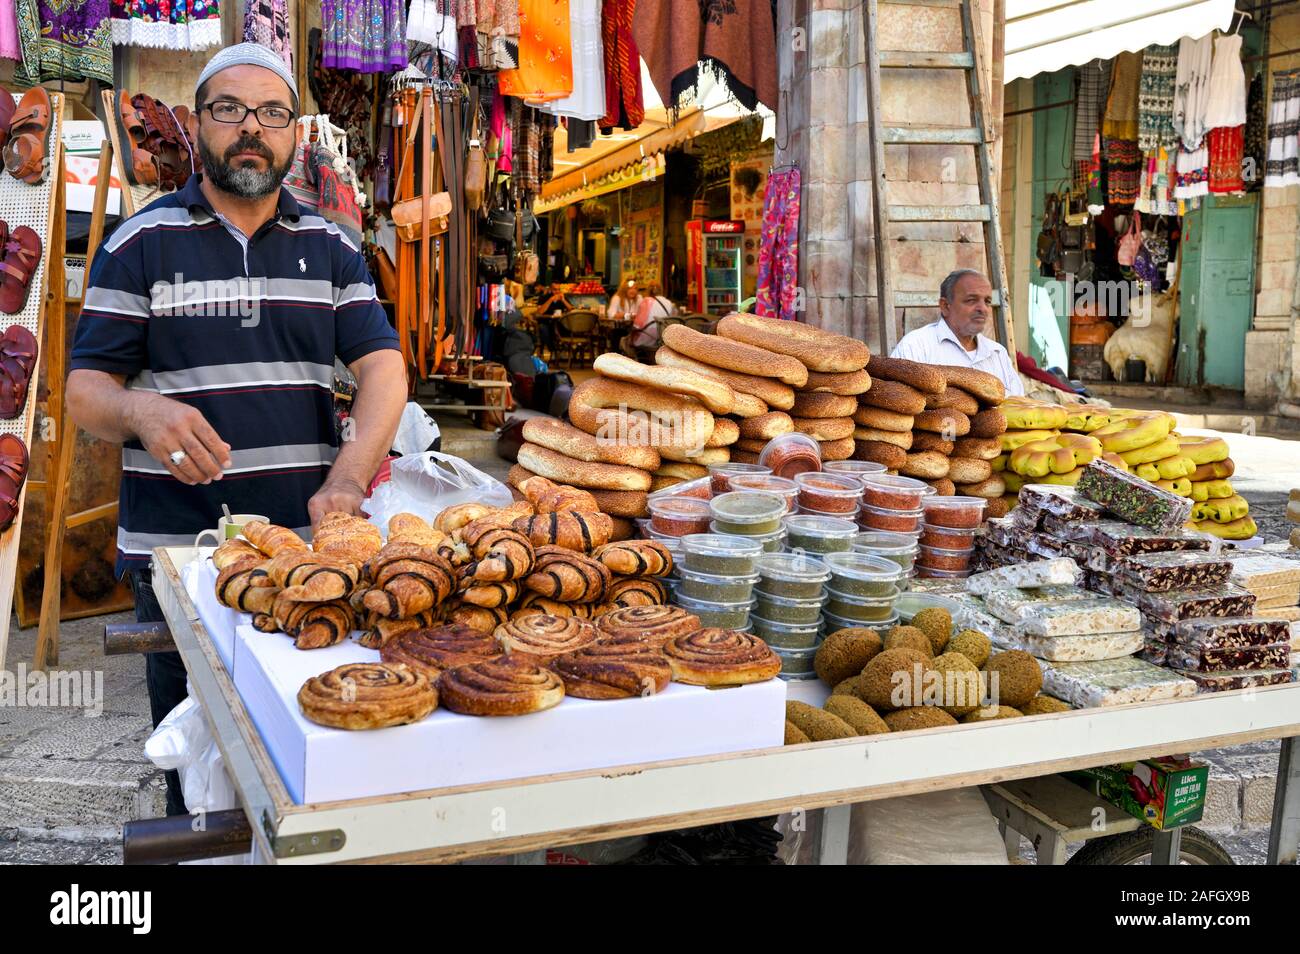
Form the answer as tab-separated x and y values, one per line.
476	171
1131	243
408	216
498	399
527	267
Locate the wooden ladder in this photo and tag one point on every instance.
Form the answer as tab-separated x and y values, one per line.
978	135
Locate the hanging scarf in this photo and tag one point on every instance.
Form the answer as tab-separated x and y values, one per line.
1121	119
1156	98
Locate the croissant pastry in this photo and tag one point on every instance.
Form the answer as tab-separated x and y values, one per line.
454	551
408	528
235	551
236	589
534	603
573	530
636	558
380	631
271	539
408	579
502	518
313	625
347	538
490	595
476	617
309	577
568	576
460	515
636	591
501	554
549	497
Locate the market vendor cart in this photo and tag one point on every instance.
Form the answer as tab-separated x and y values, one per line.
526	815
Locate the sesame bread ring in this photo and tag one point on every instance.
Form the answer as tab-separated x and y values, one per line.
621	503
946	421
568	440
825	428
750	445
890	455
899	439
989	489
744	457
943	487
928	465
769	390
767	426
713	394
703	457
894	396
966	470
658	483
823	404
881	419
581	473
749	406
955	398
672	468
837	450
984	387
988	423
927	378
725	433
735	355
623	413
818	350
930	441
980	448
833	382
998	506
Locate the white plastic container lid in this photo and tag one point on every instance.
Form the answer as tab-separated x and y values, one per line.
679	507
832	528
956	503
911	603
719	579
804	653
721	544
892	482
761	538
788	441
790	628
690	488
831	623
792	568
791	600
867	508
735	468
747	506
859	468
832	485
862	600
863	566
689	603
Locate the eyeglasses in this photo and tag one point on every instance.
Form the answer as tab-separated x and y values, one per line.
272	117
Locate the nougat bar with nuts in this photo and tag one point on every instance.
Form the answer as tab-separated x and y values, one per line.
1131	498
1271	656
1057	501
1238	679
1230	632
1117	538
1175	605
1160	572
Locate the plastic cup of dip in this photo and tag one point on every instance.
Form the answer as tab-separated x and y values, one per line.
930	558
898	547
782	609
863	609
700	487
895	521
894	493
829	493
792	575
816	534
720	554
787	635
962	513
712	588
788	490
791	454
861	574
747	513
720	474
854	468
832	623
714	614
797	663
946	538
678	516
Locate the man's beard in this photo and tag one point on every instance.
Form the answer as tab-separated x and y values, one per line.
243	181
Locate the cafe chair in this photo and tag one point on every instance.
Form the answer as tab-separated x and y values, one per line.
575	336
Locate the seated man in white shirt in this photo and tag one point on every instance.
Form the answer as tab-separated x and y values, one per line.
965	304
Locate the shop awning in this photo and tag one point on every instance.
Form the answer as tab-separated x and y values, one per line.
1043	36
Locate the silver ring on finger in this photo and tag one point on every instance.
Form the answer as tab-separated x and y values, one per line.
177	457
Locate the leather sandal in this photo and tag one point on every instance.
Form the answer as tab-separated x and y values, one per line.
7	109
165	140
17	362
22	256
13	474
26	154
183	120
141	167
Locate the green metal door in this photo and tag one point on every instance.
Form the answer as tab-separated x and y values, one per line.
1217	292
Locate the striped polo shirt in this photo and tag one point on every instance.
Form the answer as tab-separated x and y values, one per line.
244	329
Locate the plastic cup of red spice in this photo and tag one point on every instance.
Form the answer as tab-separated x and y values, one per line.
894	493
720	474
895	521
699	488
946	538
855	468
791	454
931	558
829	493
957	512
678	516
768	484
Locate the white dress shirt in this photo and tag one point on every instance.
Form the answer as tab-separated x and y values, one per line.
937	344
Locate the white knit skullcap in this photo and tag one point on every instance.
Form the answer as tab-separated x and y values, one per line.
248	54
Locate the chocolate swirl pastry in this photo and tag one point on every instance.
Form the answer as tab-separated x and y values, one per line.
408	579
309	577
655	624
367	696
636	558
501	554
545	636
572	529
568	576
508	686
443	647
721	657
637	591
613	670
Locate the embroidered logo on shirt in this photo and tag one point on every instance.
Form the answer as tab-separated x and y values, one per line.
302	264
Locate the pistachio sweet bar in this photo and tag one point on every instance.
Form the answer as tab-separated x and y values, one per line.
1131	498
1229	633
1160	572
1271	656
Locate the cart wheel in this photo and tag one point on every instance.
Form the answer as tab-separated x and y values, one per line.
1134	848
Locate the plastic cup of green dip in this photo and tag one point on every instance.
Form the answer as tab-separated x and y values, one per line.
782	609
749	513
819	534
720	615
712	588
794	575
899	547
787	635
796	663
861	574
864	609
833	624
720	554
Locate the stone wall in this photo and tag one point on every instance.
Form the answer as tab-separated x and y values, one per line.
823	127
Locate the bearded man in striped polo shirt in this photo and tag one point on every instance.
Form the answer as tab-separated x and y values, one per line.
207	341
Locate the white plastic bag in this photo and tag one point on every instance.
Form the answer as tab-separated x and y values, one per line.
426	484
415	431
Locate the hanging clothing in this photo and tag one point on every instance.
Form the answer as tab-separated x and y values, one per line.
368	36
1227	106
1123	170
1156	98
1192	89
1192	173
1121	119
166	24
65	40
587	101
502	135
778	254
11	47
1094	80
1283	165
346	99
735	38
1256	134
534	144
1227	146
267	22
1156	187
545	71
624	106
581	134
496	26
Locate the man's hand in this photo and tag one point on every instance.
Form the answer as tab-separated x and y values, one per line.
337	493
164	426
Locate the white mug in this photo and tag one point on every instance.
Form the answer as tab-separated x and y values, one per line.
228	528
